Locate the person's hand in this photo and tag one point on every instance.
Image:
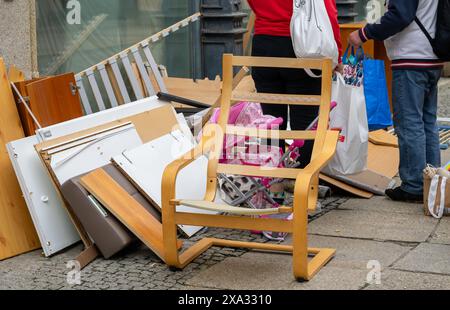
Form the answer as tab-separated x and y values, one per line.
339	68
355	39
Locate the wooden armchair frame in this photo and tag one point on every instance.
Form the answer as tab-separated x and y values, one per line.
307	180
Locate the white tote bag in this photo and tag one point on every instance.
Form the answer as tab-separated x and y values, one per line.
311	31
437	210
351	117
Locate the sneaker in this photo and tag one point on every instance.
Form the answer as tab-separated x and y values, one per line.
397	194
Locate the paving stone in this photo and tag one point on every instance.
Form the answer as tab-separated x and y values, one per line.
264	271
402	280
442	233
432	258
374	225
382	205
354	253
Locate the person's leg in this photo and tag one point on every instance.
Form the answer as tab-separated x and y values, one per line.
301	117
433	153
267	80
409	91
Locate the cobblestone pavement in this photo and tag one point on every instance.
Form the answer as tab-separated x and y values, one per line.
136	269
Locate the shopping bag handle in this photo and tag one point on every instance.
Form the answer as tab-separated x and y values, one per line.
356	56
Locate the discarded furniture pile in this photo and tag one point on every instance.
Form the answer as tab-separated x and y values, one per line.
108	156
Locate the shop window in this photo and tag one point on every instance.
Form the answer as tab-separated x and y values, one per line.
72	35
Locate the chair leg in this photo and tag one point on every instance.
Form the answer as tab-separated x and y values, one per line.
170	236
300	239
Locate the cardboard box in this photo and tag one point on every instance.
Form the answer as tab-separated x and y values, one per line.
447	69
426	191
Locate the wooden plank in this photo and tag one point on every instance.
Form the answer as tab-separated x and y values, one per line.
164	116
120	81
83	96
271	134
131	76
384	160
17	233
15	75
114	84
205	91
238	96
382	137
126	209
238	78
144	166
108	86
284	173
345	187
248	35
269	62
53	101
28	125
377	163
154	68
87	256
137	74
94	86
143	72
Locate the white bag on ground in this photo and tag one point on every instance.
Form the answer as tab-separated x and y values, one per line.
349	115
311	31
438	185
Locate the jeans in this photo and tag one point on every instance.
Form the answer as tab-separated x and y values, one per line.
415	96
286	81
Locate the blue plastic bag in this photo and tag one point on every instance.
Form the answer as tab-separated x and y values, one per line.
376	93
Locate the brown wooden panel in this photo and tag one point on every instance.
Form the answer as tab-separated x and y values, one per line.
17	233
52	100
29	127
206	91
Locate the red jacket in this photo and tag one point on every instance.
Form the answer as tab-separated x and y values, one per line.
273	17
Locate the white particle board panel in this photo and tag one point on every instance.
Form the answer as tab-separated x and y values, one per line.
145	165
92	152
51	220
97	119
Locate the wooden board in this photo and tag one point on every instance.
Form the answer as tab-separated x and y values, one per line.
205	91
53	100
126	209
17	233
377	164
150	125
346	187
100	118
29	127
384	160
15	75
246	85
382	137
145	165
54	227
368	180
161	119
95	151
